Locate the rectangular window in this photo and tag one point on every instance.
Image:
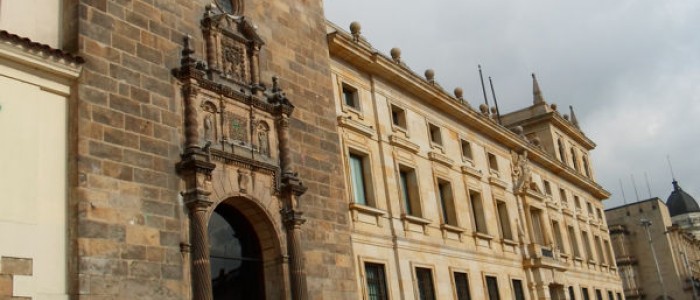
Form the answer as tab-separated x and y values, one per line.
376	281
619	296
584	292
504	220
518	289
610	295
590	208
493	162
358	178
599	213
562	197
586	245
424	279
537	232
577	202
492	288
572	295
608	253
398	116
572	242
548	188
466	150
350	97
477	212
409	191
447	204
599	249
462	286
586	167
435	135
557	235
598	295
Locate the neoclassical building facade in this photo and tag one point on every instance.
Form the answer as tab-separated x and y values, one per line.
239	149
450	202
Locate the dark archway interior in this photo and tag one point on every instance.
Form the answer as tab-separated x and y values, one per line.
235	256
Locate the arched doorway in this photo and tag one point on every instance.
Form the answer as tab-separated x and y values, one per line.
235	256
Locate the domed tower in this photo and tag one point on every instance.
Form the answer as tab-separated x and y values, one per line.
684	210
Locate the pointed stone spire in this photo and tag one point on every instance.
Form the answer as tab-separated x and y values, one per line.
573	117
536	93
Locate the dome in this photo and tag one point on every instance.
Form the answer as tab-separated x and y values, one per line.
679	202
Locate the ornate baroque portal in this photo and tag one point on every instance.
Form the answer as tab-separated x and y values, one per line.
238	185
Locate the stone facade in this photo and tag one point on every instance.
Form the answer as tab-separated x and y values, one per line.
677	252
133	227
469	196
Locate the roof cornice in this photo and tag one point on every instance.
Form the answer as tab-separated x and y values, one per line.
361	55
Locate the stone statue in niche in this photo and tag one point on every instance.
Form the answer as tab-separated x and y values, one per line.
208	127
263	139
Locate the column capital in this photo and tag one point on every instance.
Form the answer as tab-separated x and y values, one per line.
292	218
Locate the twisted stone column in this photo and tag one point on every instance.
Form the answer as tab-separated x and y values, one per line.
201	269
292	222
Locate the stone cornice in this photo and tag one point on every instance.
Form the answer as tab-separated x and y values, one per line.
367	59
558	121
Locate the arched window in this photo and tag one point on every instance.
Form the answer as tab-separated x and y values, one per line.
235	256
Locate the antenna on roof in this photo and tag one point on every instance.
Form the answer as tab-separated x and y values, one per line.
498	112
670	166
634	184
624	199
648	187
483	88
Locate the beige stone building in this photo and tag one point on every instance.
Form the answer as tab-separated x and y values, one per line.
245	149
676	249
446	203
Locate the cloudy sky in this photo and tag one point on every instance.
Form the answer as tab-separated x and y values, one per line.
630	68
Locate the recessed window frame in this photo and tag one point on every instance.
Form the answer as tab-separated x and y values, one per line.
462	286
491	287
476	205
585	294
503	219
382	282
445	195
435	135
547	187
518	289
399	118
573	241
362	160
559	239
350	97
425	287
492	160
409	191
538	232
574	159
466	150
585	238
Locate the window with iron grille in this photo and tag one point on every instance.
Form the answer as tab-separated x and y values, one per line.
376	281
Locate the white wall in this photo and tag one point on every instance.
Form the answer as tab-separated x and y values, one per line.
33	180
39	20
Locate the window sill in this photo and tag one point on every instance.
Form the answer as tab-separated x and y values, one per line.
415	220
439	157
357	111
472	171
367	209
497	182
436	146
509	242
483	236
356	126
452	228
398	141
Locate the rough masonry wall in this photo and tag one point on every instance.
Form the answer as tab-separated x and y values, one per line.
129	218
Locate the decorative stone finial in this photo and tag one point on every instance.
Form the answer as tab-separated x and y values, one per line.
553	106
395	54
517	130
537	97
484	109
535	141
355	28
430	75
459	93
566	117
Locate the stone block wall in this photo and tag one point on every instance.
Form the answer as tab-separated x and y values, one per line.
127	121
9	268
